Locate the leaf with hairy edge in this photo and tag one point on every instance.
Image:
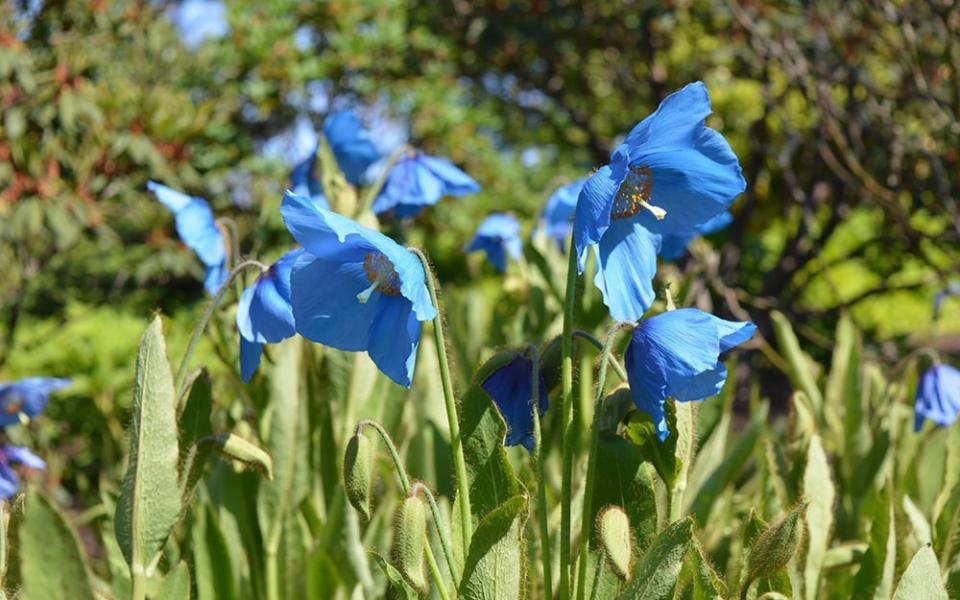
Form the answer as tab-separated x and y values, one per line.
707	583
656	574
194	421
51	560
819	491
921	579
397	586
875	577
175	585
495	566
149	504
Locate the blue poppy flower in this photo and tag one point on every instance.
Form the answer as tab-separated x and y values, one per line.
25	399
15	455
511	388
264	313
937	397
303	183
673	245
355	289
677	354
498	236
198	230
351	144
670	175
419	180
557	217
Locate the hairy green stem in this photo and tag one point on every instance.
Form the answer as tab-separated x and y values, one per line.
621	373
139	582
453	421
545	549
585	520
205	319
417	488
406	487
374	190
566	415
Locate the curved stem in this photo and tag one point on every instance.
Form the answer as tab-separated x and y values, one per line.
205	318
234	247
621	372
406	487
374	190
592	459
545	549
566	415
453	422
445	544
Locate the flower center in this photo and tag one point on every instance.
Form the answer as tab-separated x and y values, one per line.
382	276
634	195
13	405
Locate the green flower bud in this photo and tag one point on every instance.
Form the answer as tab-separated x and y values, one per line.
409	537
774	548
615	540
358	473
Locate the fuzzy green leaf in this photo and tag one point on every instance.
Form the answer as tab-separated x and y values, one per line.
495	565
921	579
655	576
819	491
52	565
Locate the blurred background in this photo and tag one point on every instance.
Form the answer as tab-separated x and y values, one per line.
845	116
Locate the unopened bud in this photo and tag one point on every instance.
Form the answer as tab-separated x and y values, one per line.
614	527
409	537
774	548
358	473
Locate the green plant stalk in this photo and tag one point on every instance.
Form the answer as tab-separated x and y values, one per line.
374	190
592	458
456	443
205	319
139	583
617	367
546	554
566	433
437	518
272	576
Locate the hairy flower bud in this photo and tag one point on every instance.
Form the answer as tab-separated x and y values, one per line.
614	528
409	537
774	548
358	473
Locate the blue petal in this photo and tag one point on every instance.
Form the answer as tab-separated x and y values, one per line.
195	223
627	262
351	144
303	183
557	217
394	337
264	313
174	201
511	388
214	277
28	396
675	123
593	209
333	237
938	396
396	189
325	305
733	333
249	358
23	456
455	181
675	244
9	483
498	235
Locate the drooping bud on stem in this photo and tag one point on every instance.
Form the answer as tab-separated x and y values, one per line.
358	463
409	539
613	526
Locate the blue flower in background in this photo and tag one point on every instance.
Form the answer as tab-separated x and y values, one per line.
419	180
952	289
264	313
677	354
498	236
671	175
673	245
355	289
557	217
15	455
511	388
26	398
937	397
198	230
350	143
200	20
303	183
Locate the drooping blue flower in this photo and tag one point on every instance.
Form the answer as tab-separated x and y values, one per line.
355	289
677	354
198	230
419	180
673	245
26	398
671	175
937	397
15	455
303	183
557	217
350	143
498	236
264	313
511	388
